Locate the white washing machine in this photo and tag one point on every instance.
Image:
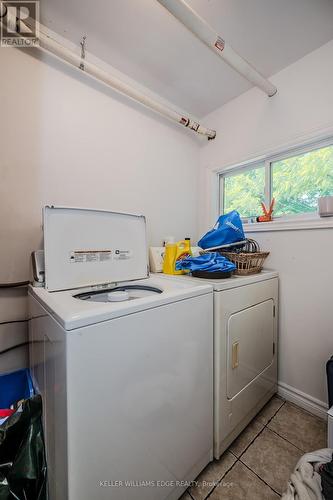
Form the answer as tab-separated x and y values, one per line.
245	350
123	362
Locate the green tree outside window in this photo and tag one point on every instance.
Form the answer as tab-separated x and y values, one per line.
297	182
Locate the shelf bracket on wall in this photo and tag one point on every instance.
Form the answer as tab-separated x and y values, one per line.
83	44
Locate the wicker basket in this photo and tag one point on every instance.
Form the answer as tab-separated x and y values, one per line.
247	263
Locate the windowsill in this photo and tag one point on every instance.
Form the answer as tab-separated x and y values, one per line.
314	222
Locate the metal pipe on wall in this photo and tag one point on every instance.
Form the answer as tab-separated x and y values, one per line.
53	47
208	36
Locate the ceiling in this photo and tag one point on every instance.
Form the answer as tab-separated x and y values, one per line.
142	39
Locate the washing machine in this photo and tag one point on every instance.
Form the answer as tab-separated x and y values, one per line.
245	350
123	361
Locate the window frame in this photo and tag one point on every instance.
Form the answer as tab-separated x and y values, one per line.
267	161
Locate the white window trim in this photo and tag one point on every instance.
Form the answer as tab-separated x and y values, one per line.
309	220
314	221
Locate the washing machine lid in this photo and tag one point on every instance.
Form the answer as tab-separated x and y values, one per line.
85	247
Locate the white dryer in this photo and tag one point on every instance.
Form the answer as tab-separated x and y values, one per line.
245	350
124	365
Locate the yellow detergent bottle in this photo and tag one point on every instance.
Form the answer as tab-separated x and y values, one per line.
174	252
169	258
183	251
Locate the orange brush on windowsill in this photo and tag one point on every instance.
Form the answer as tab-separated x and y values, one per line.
268	214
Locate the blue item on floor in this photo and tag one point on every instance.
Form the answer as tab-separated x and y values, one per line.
228	229
211	261
15	386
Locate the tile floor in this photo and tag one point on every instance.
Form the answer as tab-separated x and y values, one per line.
258	464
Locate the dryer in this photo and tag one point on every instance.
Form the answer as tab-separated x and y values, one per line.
245	350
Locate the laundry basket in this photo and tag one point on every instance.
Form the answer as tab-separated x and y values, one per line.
248	260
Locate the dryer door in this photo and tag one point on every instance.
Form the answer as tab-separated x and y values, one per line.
250	335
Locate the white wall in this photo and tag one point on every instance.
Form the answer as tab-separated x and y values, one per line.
252	125
68	140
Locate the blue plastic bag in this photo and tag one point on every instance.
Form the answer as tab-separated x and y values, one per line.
228	229
212	261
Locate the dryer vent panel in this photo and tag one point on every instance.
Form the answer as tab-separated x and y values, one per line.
250	345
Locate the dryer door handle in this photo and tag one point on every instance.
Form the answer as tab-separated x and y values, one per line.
235	355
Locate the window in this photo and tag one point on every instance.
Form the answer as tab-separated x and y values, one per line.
244	190
295	179
298	181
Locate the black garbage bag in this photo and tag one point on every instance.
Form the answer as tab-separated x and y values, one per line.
22	454
326	473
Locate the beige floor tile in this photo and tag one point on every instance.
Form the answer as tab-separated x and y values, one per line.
304	430
241	484
186	496
269	410
272	458
211	475
246	437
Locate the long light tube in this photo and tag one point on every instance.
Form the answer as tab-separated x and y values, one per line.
53	47
199	27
